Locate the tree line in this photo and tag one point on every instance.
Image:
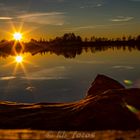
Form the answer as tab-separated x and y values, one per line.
69	39
68	45
72	38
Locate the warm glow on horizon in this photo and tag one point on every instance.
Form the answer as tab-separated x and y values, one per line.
17	36
19	59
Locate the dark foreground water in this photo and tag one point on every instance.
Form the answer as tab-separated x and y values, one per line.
47	77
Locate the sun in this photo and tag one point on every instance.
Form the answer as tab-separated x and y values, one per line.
17	36
19	59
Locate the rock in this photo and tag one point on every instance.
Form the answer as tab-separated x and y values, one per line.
103	83
108	106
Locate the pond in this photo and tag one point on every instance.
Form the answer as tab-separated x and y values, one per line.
56	77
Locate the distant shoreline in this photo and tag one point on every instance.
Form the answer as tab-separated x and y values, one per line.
69	45
72	39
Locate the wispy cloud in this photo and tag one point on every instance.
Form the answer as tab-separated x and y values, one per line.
123	67
89	62
92	6
51	18
135	0
7	78
30	15
6	18
122	19
83	28
17	14
100	26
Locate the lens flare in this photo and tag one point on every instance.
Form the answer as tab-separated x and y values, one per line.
128	82
133	110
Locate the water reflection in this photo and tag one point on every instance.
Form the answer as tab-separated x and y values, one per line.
44	76
75	51
12	48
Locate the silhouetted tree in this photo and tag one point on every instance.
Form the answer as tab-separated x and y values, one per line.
138	38
123	38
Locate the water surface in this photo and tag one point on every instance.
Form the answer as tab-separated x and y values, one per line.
53	77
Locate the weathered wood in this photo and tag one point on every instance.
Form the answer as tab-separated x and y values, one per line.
107	108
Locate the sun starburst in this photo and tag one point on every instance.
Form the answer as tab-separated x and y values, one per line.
19	59
17	36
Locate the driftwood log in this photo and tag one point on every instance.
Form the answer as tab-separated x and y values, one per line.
107	105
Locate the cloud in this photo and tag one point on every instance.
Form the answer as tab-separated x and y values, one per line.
122	19
7	78
98	26
84	28
123	67
30	15
89	62
18	14
51	18
135	0
6	18
92	6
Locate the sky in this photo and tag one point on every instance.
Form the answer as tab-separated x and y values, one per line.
51	18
